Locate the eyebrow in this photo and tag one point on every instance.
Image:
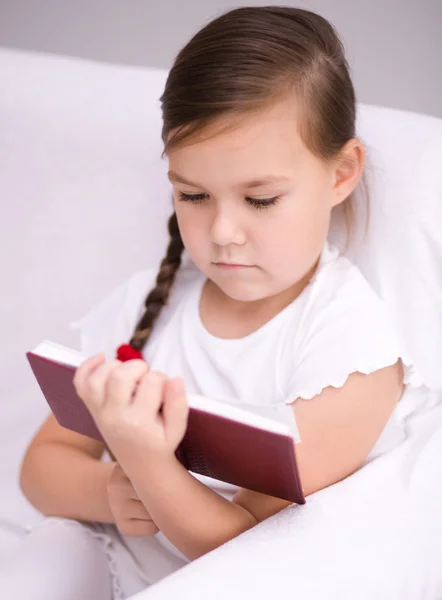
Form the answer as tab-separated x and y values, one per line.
254	183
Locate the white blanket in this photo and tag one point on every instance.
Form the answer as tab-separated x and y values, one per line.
375	535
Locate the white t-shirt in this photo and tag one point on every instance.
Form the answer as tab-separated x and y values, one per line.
336	326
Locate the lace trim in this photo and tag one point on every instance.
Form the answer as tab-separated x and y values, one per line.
411	377
106	542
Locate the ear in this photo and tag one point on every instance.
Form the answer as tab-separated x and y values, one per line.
347	170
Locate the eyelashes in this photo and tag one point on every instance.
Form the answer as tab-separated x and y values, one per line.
259	204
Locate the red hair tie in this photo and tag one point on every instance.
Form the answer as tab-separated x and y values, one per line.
128	352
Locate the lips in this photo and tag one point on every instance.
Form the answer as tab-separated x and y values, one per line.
232	264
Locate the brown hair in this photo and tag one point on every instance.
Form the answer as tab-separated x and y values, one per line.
244	60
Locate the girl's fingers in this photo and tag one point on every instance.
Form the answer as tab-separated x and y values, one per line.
176	408
137	510
150	392
114	383
94	386
122	382
85	369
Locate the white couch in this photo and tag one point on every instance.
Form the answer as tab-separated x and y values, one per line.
82	187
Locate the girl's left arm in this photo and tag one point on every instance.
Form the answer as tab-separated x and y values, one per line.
191	515
338	428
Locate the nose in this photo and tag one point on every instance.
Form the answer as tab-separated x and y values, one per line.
226	228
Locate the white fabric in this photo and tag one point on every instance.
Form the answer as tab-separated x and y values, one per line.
292	355
58	560
375	535
401	253
343	328
68	559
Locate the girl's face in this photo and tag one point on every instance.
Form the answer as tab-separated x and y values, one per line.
256	196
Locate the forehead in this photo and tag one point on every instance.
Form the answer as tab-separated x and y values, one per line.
262	141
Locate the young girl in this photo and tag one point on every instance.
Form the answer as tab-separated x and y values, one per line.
251	305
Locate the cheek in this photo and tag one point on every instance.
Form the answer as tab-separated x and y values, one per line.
191	227
297	233
183	216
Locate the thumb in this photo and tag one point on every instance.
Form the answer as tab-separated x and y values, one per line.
175	410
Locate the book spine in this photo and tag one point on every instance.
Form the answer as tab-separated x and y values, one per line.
194	456
199	464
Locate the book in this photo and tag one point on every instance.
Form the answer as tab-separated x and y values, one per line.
222	441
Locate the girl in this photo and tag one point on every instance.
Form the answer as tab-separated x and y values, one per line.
251	305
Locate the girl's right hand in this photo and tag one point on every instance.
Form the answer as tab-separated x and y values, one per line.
130	514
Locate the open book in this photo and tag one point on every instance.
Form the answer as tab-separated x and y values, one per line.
222	441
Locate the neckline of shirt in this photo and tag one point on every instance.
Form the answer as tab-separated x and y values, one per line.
328	253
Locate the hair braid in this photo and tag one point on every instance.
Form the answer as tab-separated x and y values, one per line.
157	298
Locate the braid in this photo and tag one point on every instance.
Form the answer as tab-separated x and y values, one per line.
157	298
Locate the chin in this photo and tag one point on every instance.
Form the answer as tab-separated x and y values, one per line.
241	292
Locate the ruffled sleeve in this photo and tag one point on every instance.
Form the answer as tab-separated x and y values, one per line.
345	329
112	320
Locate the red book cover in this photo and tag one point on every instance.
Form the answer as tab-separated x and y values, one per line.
221	441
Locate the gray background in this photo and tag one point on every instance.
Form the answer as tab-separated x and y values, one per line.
394	47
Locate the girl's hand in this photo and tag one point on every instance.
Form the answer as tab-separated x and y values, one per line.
130	514
141	415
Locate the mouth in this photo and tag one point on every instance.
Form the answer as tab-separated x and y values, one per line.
232	266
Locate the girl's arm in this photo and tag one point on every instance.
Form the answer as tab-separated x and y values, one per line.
61	474
338	428
64	481
191	515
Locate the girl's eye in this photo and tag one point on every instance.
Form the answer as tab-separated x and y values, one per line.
195	198
257	203
263	202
